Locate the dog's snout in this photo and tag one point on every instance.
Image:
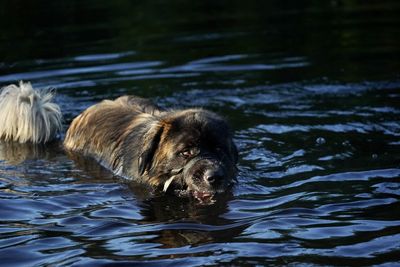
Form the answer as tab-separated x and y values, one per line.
214	176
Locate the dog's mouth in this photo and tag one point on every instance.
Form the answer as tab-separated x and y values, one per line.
203	197
190	183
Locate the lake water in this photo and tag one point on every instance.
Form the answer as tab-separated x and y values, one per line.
311	88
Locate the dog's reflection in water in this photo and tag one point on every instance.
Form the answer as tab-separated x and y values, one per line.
182	220
179	217
15	153
186	222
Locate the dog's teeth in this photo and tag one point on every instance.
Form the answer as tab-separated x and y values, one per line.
168	183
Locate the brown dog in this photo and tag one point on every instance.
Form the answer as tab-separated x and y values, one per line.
189	150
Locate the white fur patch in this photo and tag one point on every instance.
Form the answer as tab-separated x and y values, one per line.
28	115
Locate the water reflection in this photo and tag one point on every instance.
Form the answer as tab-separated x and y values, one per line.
168	220
15	153
188	223
86	205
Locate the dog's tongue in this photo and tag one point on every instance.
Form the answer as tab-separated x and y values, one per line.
204	197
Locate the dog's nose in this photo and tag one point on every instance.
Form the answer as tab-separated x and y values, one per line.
214	176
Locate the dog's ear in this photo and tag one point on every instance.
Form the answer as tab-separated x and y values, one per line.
151	141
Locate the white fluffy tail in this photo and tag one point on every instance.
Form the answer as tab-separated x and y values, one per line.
28	115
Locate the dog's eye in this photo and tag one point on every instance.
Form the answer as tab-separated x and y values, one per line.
186	153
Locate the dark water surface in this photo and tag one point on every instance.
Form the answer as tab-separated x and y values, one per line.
311	88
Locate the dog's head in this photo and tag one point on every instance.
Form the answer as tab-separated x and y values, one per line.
190	150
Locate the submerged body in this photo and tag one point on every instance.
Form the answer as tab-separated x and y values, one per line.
190	150
185	149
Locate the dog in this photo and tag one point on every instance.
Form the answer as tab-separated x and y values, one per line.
27	115
189	151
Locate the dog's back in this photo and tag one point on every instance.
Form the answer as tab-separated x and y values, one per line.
28	115
101	129
139	104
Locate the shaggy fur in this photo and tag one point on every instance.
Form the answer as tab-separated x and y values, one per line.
185	150
188	150
27	115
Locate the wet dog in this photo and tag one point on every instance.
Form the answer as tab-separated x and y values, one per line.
188	151
27	115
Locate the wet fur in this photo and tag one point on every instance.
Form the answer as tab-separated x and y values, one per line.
131	136
28	115
137	139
